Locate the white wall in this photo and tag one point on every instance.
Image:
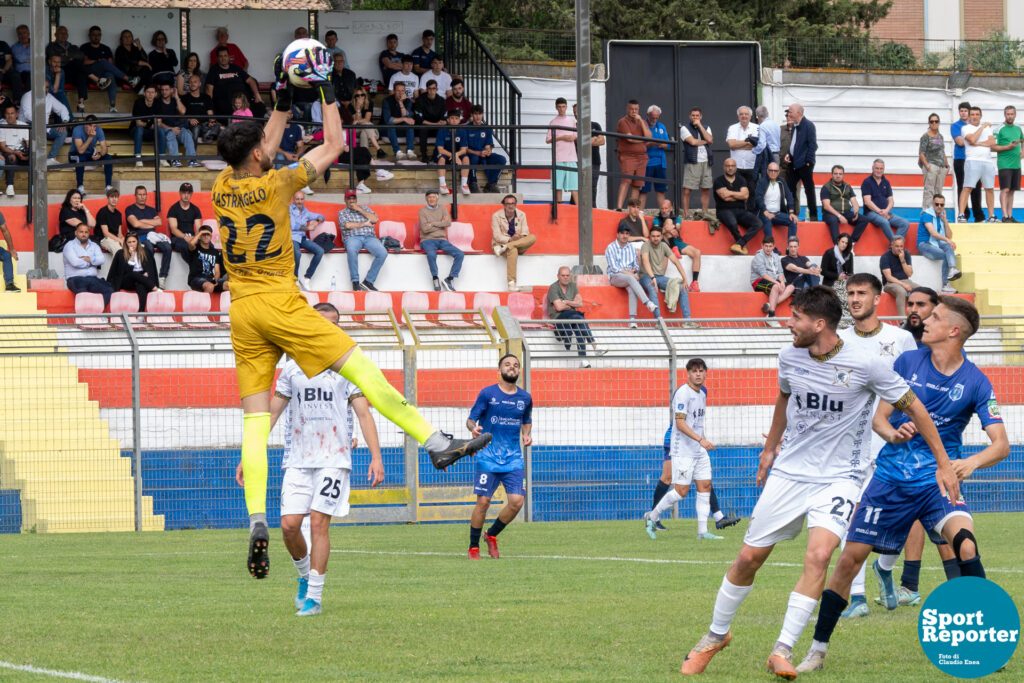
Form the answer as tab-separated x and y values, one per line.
361	35
141	22
1015	19
10	17
261	35
942	19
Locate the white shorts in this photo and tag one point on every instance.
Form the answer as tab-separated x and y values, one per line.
324	490
780	510
985	171
687	468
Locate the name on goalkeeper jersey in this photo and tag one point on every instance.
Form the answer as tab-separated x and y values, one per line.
231	200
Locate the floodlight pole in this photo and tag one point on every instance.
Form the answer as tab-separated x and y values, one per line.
583	141
37	137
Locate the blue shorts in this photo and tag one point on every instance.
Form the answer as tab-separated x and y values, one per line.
486	483
654	172
566	180
886	513
668	456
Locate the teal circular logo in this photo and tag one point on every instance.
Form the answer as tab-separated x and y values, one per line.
968	627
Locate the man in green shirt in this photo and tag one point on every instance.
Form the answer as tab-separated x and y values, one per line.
1008	152
564	303
655	256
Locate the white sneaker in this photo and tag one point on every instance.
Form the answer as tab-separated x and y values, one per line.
632	324
410	155
444	191
81	191
108	188
651	306
465	190
51	162
138	161
305	285
584	364
946	288
954	274
308	190
164	162
399	155
163	283
10	190
814	661
499	249
361	188
384	175
512	287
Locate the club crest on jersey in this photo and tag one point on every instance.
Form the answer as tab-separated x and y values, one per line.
956	393
520	405
842	378
886	348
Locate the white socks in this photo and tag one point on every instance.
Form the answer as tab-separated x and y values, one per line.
703	510
666	502
859	581
316	585
306	533
886	562
730	596
718	515
302	566
797	615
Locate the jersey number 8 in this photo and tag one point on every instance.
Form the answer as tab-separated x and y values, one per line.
256	220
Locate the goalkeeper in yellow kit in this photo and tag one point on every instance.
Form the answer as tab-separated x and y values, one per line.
269	316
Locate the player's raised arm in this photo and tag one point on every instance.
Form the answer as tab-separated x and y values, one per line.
326	154
774	438
361	407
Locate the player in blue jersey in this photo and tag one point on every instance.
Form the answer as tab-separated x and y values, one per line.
504	410
903	490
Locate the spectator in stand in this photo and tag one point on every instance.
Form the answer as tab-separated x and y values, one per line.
362	116
959	161
731	194
803	145
303	221
183	222
235	55
144	220
190	69
198	105
671	224
8	254
14	143
635	222
206	264
434	224
301	33
331	43
89	144
510	237
785	170
564	303
130	58
935	240
451	143
173	127
978	144
766	276
655	255
343	79
657	164
98	60
480	148
82	261
54	109
837	262
565	152
699	159
144	126
360	157
423	55
623	270
775	202
932	159
1008	151
876	192
896	273
390	60
21	52
429	111
457	100
72	214
771	132
8	74
396	112
224	80
70	61
56	81
745	143
437	73
292	145
108	224
596	142
357	231
133	270
162	60
240	108
799	271
632	153
411	80
839	206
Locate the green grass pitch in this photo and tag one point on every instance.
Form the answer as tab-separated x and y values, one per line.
568	601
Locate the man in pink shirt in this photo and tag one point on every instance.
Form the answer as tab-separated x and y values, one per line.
565	152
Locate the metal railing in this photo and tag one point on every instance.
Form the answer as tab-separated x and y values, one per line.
876	54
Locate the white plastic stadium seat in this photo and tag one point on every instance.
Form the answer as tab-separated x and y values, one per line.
394	229
123	302
461	235
521	305
327	227
488	301
345	302
312	297
416	301
161	302
452	301
378	301
225	306
88	303
197	302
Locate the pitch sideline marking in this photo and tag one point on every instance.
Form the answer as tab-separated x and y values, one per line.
56	674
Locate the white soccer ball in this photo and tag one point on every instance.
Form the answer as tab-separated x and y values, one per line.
301	61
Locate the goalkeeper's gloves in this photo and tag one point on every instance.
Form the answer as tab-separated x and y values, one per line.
282	87
321	63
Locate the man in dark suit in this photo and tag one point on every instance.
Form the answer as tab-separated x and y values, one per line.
775	203
802	148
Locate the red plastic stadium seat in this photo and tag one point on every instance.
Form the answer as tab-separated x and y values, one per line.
197	302
88	303
345	302
416	301
225	306
461	235
325	228
123	302
394	229
452	301
312	297
212	222
378	301
521	305
160	302
487	301
415	243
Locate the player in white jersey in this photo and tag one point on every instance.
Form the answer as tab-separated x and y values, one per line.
824	409
887	342
318	443
688	449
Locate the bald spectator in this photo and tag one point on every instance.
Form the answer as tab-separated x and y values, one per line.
745	143
803	146
731	195
563	304
632	153
896	273
775	202
82	261
235	55
510	237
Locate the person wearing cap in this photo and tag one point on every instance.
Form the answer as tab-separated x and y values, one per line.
206	264
510	236
434	224
303	221
451	142
183	222
623	270
357	232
